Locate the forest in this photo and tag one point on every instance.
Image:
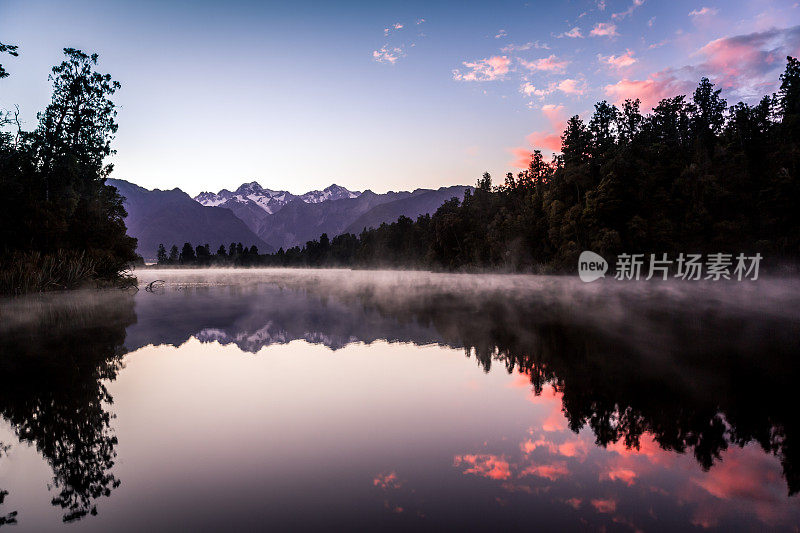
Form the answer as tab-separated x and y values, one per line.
61	226
694	175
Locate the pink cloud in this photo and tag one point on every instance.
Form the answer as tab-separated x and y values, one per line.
388	55
528	89
650	91
604	29
574	33
550	64
629	11
618	62
702	12
522	157
571	86
744	66
524	46
493	68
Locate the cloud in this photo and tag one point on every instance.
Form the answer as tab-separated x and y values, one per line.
522	157
546	140
528	89
523	47
703	12
395	26
650	91
748	65
621	15
618	62
493	68
548	64
574	33
501	34
744	66
554	114
388	55
604	29
571	86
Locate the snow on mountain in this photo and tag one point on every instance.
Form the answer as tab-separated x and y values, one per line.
269	200
334	192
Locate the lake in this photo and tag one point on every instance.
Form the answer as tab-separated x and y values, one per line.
337	399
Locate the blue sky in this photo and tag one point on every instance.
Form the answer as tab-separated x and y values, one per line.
381	96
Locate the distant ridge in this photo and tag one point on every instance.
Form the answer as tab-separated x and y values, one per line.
173	217
282	219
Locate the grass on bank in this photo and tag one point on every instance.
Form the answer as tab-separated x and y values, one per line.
28	272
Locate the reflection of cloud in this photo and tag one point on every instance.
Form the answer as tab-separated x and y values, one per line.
625	475
486	465
575	503
552	471
608	505
387	481
573	448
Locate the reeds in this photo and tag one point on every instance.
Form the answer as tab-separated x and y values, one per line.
27	272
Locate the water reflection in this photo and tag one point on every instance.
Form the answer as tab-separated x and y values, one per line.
632	381
56	356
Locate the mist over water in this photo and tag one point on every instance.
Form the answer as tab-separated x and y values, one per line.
399	400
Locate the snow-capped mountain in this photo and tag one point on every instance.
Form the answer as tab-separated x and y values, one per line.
269	200
282	219
334	192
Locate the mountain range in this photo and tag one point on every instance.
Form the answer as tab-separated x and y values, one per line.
267	218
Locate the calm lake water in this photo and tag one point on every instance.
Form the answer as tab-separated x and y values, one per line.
297	400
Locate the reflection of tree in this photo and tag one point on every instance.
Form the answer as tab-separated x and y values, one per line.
5	518
704	381
53	367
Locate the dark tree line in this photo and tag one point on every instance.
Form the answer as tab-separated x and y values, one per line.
60	223
201	255
695	175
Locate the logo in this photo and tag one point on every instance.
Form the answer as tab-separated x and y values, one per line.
591	266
